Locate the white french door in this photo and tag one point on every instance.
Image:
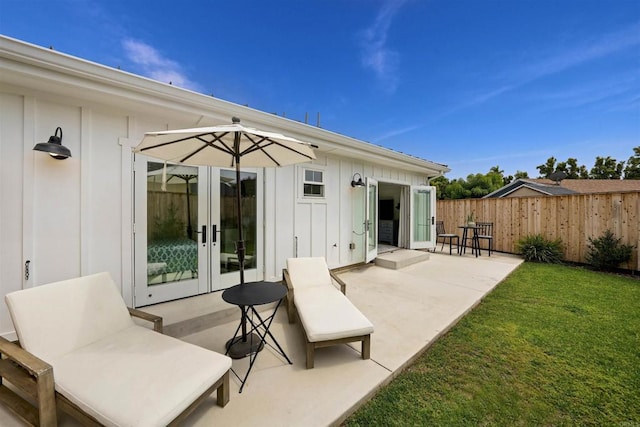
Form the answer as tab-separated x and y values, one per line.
371	220
223	259
186	229
422	205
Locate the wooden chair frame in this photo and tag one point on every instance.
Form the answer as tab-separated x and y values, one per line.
311	346
34	378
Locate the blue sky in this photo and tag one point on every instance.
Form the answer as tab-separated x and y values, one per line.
467	83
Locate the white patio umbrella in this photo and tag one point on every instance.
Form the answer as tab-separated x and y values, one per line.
227	146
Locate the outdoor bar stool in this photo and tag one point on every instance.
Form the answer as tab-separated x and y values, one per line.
485	232
441	234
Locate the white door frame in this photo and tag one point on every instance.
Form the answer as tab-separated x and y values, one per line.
371	220
422	217
145	294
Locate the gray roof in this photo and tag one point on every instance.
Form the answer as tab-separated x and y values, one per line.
546	189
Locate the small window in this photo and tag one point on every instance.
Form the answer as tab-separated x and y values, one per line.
313	183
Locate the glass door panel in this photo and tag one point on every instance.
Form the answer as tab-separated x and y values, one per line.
228	226
169	258
422	205
172	250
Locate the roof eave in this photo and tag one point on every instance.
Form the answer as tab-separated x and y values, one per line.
109	83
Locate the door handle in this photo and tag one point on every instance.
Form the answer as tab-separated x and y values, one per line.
204	234
214	233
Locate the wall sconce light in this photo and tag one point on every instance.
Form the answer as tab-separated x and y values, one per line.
54	147
357	183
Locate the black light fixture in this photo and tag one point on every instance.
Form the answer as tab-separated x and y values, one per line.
357	183
54	147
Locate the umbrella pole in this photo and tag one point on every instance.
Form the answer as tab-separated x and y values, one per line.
240	243
247	344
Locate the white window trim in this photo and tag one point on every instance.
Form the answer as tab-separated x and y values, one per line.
323	183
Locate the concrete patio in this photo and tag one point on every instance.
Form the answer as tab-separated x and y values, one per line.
410	308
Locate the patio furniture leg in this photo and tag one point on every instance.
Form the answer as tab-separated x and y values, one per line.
310	354
223	393
366	347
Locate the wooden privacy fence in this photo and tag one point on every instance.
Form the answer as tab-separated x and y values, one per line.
572	218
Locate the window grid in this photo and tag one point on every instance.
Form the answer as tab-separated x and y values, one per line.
313	183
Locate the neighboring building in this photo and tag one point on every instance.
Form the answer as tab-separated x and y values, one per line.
547	187
102	210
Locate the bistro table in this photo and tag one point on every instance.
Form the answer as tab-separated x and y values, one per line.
249	343
475	242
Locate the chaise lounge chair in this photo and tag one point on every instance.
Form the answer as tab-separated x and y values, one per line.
327	316
80	351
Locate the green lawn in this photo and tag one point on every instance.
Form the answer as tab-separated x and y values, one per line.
551	345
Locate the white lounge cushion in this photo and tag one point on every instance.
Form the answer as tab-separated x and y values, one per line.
123	379
327	314
53	319
306	272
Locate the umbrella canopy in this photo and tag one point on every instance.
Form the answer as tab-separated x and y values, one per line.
217	146
226	146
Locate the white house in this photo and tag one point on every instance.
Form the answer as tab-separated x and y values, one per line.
100	209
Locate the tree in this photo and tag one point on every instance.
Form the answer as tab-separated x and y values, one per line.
496	169
480	185
456	190
571	168
606	168
496	172
520	175
632	171
547	168
441	184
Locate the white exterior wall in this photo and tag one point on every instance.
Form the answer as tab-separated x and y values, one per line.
75	217
298	226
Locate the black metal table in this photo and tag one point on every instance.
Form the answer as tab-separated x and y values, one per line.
250	342
475	242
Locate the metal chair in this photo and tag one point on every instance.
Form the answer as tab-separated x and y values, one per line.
442	234
485	232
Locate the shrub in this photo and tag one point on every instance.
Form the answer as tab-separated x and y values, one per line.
606	252
536	248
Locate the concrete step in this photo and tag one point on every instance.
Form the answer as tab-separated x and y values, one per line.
401	258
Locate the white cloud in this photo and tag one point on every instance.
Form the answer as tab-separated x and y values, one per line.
154	65
591	50
376	55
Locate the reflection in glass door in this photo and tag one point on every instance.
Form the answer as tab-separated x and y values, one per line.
228	233
170	249
172	219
